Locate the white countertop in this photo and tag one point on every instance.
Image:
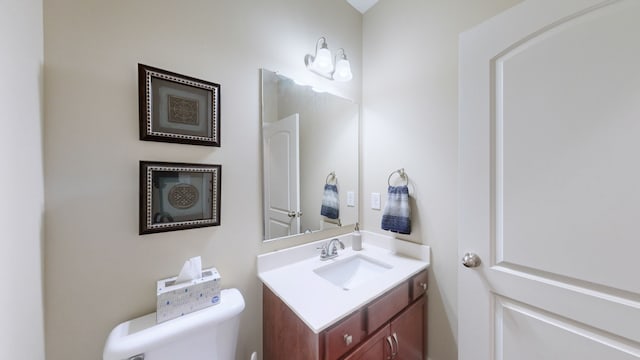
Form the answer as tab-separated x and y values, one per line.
289	274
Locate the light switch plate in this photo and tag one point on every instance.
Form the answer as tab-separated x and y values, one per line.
375	201
351	199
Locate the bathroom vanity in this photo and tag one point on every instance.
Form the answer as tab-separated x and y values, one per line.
368	304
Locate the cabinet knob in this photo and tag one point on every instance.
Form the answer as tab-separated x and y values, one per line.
423	285
348	339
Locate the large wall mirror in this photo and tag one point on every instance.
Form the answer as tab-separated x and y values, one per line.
310	158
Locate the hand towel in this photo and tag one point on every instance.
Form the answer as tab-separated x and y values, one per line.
330	202
396	215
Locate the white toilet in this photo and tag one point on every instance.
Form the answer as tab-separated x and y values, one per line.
207	334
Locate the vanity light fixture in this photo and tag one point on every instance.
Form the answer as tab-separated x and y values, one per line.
322	64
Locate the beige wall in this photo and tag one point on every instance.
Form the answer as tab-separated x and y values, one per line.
410	120
99	272
21	180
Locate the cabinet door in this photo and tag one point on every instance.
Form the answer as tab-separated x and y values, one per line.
377	347
407	332
285	336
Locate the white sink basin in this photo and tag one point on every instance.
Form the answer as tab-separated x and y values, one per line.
351	272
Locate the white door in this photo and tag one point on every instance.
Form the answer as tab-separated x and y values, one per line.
550	183
282	173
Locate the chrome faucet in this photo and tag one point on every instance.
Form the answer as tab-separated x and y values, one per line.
330	249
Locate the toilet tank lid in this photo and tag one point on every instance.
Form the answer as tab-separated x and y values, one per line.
139	335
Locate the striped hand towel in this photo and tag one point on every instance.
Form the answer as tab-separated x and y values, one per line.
396	215
330	202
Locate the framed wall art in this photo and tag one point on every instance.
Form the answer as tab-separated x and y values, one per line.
177	108
177	196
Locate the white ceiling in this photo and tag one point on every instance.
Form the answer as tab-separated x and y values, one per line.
362	5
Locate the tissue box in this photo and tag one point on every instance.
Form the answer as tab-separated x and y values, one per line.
175	300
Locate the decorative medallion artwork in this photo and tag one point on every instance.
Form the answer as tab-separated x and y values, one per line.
177	196
183	111
178	108
183	196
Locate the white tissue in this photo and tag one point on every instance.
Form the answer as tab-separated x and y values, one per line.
191	270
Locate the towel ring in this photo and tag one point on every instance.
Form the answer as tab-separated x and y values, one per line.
402	175
332	175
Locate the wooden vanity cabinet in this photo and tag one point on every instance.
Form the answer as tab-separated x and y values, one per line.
391	327
401	339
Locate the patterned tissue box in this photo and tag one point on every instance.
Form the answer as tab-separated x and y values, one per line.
175	300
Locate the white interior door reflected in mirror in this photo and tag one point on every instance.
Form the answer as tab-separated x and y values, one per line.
327	143
281	140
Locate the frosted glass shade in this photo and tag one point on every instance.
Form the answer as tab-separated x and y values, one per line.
343	71
322	62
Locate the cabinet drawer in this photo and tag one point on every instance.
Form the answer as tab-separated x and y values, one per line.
383	309
418	285
344	336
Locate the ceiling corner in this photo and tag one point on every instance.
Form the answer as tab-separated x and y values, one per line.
362	5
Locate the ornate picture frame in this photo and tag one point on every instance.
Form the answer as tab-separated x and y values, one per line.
178	196
177	108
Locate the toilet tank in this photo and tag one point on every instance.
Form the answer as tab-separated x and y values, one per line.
207	334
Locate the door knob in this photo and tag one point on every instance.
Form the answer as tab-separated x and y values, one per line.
291	214
470	260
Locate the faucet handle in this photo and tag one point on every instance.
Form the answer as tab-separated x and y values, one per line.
333	247
330	249
323	251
